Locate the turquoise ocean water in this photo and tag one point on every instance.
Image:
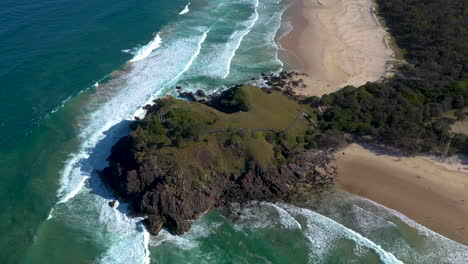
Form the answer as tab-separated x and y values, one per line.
73	75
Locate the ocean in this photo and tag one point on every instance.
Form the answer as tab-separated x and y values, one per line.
74	74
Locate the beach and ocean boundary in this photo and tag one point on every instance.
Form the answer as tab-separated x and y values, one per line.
339	43
428	193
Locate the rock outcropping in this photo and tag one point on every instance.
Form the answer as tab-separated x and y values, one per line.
173	181
174	206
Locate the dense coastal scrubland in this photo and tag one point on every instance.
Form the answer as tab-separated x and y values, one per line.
402	111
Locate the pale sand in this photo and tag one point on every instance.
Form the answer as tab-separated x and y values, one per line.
337	43
430	194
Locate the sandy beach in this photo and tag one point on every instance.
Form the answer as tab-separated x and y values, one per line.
426	192
337	43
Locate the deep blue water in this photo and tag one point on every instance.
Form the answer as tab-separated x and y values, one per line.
52	50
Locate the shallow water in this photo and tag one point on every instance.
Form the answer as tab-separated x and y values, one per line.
76	74
333	227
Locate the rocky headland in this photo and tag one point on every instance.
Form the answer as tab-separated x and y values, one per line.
245	144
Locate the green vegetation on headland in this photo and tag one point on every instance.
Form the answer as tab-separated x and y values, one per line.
184	157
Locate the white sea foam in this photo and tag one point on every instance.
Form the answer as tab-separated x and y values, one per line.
188	241
217	57
285	218
62	104
279	14
130	240
185	10
239	36
441	248
154	68
323	232
146	50
369	221
124	106
50	214
261	215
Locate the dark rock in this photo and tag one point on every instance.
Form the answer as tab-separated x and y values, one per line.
173	207
200	93
153	224
188	95
112	203
177	225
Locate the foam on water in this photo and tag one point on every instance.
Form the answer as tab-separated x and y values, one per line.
105	126
106	122
129	238
154	69
185	10
239	36
146	50
259	42
441	248
369	223
188	241
250	47
260	215
323	232
230	29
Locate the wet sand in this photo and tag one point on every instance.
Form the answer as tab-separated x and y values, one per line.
426	192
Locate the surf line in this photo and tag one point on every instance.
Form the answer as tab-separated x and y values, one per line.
239	41
74	161
186	9
146	50
140	113
316	219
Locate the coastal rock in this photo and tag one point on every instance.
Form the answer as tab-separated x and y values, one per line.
178	163
154	224
188	95
173	207
112	203
200	93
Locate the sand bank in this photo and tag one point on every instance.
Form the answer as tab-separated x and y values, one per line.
337	43
426	192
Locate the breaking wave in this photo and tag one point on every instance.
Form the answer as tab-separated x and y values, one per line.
146	50
239	36
111	105
185	10
323	232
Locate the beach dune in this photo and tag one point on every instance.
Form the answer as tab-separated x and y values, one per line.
337	43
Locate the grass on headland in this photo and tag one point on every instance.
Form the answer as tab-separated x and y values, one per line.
197	140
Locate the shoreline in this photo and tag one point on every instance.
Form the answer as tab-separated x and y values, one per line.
326	44
432	192
426	192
